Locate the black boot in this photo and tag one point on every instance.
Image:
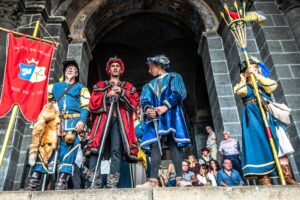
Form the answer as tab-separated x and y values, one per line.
61	183
34	181
113	180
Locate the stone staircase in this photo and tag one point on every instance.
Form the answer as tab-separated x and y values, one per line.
192	193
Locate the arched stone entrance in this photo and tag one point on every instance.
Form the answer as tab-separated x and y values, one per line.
139	29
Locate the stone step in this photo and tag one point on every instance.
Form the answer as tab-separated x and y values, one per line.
192	193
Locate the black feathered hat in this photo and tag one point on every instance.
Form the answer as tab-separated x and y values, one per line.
70	62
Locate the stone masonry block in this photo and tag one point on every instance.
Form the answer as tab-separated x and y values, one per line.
26	19
274	46
223	90
217	55
120	194
289	46
234	193
293	101
215	43
279	20
291	86
277	33
221	79
283	71
219	67
75	50
15	195
227	102
286	58
229	115
295	70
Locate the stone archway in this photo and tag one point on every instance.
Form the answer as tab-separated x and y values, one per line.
99	16
105	23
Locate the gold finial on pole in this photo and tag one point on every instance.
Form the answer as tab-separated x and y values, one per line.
36	28
236	8
223	16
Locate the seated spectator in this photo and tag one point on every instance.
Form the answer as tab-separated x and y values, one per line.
230	149
161	178
194	165
214	167
229	177
170	176
187	176
205	178
205	158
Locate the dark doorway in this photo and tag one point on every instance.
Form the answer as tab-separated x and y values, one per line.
144	35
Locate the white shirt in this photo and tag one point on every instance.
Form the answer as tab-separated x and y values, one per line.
230	147
105	166
210	177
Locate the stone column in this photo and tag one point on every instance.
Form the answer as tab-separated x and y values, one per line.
81	52
219	85
280	53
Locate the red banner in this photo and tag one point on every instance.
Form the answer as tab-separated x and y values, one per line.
26	76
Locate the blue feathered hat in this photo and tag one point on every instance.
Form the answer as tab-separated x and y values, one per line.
160	60
261	66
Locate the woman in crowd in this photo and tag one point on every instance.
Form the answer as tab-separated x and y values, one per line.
194	165
205	178
214	167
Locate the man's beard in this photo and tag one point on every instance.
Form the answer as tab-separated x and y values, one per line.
69	77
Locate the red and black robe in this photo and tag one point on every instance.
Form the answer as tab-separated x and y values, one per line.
124	107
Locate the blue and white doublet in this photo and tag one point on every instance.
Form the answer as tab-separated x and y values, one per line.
168	90
74	103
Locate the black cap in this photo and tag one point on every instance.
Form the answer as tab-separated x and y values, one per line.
66	63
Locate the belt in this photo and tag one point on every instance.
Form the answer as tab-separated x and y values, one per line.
69	116
250	101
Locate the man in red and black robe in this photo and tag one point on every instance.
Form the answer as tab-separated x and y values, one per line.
121	129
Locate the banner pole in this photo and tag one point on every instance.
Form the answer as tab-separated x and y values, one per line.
15	111
28	36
